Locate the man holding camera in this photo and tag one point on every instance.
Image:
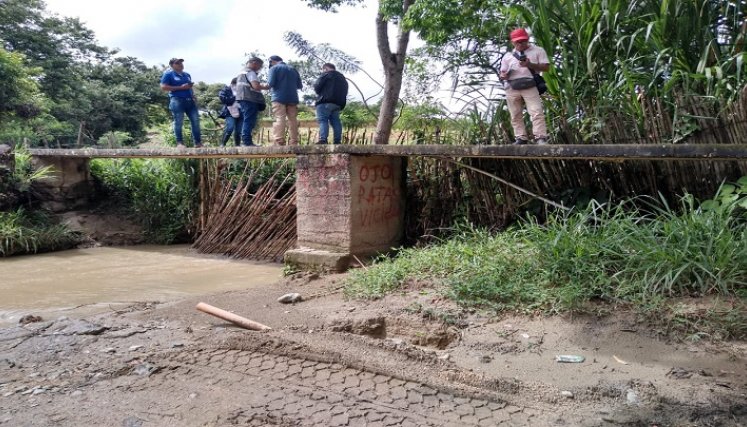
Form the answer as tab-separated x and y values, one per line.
518	69
181	100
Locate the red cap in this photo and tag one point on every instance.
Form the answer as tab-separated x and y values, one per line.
519	34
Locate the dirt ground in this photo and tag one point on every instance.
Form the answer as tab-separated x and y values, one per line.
411	359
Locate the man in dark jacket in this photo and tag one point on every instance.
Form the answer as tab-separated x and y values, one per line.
332	92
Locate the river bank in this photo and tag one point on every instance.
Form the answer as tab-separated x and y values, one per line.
410	358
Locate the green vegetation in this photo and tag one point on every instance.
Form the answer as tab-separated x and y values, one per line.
25	173
159	193
59	87
23	232
648	256
614	62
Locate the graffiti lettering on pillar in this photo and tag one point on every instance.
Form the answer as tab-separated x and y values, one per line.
378	195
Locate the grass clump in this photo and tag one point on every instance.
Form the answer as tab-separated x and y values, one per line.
159	193
23	232
622	254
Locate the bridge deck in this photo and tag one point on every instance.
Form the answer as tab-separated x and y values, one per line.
612	152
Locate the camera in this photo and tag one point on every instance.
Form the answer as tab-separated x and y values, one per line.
522	57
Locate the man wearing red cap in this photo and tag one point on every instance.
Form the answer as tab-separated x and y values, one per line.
518	68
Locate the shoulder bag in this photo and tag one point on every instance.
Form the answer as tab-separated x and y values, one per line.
255	96
525	83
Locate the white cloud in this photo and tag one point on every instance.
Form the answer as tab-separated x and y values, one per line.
214	36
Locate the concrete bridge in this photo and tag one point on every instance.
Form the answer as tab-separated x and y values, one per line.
351	198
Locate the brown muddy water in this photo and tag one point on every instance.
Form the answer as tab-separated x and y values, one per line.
94	280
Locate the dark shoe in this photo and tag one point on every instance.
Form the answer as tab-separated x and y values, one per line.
520	141
338	143
250	144
321	143
541	141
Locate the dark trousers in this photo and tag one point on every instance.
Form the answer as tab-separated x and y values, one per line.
233	126
249	113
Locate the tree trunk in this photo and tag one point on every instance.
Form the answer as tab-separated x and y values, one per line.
394	65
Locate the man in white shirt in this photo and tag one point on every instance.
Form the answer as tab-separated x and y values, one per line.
518	68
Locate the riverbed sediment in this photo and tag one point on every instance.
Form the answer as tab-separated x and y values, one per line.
407	359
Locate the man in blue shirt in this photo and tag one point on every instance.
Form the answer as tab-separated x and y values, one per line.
285	83
181	100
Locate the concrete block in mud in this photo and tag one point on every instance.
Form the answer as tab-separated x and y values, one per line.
326	260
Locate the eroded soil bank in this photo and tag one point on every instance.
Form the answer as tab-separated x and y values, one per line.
408	359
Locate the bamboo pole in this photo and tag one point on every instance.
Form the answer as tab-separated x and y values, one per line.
231	317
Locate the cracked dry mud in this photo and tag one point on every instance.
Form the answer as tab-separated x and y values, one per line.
331	362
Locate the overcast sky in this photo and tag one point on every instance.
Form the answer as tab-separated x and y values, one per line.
213	36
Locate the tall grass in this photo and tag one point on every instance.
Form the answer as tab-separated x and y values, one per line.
161	194
23	232
640	253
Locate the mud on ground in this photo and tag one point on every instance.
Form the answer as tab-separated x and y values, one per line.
409	359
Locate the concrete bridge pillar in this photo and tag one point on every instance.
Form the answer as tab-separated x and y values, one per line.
7	163
69	186
7	166
347	205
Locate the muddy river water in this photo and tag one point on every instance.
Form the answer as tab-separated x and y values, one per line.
93	280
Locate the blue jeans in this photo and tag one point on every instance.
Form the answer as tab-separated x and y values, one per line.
249	113
233	126
178	107
327	114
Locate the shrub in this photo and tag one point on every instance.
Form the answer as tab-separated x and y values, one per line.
160	193
23	232
618	254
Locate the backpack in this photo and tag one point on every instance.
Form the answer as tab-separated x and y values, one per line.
226	96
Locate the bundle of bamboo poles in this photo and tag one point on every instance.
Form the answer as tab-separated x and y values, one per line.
241	223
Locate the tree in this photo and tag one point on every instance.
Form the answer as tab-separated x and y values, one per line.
119	92
316	56
84	87
19	92
605	55
393	61
54	44
207	98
